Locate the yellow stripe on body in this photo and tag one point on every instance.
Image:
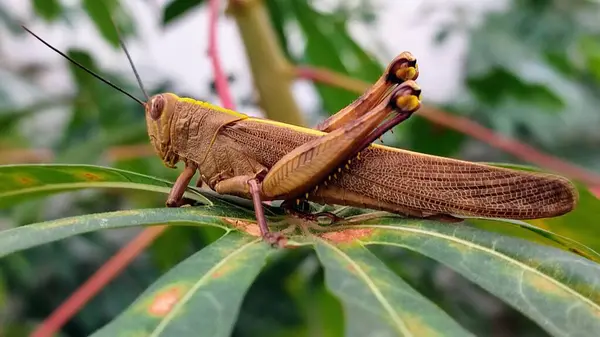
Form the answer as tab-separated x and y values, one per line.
212	107
290	126
321	133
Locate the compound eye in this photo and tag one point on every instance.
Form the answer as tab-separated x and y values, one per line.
156	107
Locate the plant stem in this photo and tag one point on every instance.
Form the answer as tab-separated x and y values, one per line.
270	68
220	79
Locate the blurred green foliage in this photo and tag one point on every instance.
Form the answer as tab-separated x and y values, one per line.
529	69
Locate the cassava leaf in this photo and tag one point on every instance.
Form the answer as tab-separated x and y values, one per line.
200	296
558	290
377	301
22	182
28	236
525	230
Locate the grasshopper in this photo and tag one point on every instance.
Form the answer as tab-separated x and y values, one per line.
336	162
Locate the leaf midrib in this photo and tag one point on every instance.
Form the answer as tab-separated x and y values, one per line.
387	306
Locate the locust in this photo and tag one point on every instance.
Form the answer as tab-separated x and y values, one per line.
337	162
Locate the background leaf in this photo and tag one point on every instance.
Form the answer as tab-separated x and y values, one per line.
322	50
50	10
178	8
100	12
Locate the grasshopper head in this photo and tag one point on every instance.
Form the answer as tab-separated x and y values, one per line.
159	113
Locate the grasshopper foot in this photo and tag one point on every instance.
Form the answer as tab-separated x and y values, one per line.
174	203
275	239
303	213
446	218
334	218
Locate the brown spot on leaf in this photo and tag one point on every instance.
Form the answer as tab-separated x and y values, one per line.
222	271
25	180
347	235
543	285
459	247
244	226
60	223
419	328
164	301
91	177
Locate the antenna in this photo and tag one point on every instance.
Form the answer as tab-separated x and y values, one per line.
135	72
114	86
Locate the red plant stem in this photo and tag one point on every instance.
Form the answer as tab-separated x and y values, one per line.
107	272
463	125
221	83
125	255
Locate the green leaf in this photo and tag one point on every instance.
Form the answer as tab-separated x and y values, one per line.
22	182
321	311
377	301
11	116
499	84
24	237
279	12
518	41
179	242
11	23
85	114
525	230
100	13
202	294
365	66
49	10
554	288
590	48
427	137
172	246
321	51
177	8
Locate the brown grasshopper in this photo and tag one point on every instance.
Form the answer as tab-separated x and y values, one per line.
335	163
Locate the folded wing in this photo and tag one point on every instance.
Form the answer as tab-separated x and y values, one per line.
437	185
